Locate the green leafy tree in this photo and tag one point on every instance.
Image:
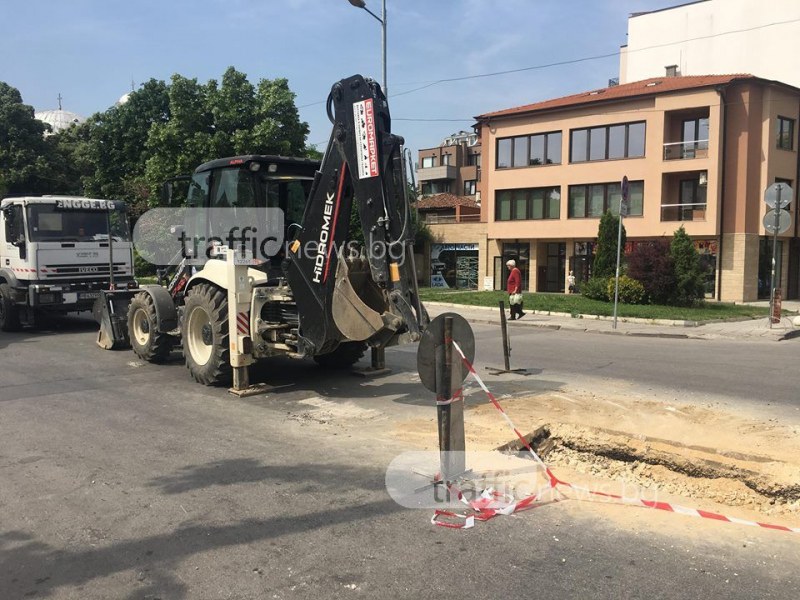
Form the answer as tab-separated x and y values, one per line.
605	258
27	159
689	276
215	120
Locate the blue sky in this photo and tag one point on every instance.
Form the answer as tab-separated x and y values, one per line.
89	51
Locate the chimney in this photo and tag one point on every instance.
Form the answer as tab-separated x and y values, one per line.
672	70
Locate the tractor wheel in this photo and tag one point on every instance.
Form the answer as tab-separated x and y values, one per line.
346	355
147	341
9	312
205	335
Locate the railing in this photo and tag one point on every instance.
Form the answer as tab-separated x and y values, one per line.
434	219
684	212
684	150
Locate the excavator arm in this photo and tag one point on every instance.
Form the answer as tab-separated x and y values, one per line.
345	291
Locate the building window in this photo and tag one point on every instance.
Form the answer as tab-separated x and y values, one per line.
591	201
469	187
529	150
474	160
625	140
435	187
528	204
428	162
445	159
785	133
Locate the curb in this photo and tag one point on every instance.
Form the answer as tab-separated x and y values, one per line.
695	333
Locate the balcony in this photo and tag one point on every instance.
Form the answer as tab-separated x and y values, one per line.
444	172
437	219
694	211
686	150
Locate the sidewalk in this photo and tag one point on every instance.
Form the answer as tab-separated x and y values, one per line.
750	329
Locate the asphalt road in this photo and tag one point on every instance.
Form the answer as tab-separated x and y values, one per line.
125	480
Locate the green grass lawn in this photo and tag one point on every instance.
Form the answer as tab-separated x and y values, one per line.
577	304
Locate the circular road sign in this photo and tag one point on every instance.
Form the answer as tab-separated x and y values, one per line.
784	221
771	195
431	348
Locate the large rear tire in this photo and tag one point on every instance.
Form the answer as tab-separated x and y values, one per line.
9	312
206	346
346	355
147	341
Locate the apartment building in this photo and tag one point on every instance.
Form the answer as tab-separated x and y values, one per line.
449	178
698	152
453	167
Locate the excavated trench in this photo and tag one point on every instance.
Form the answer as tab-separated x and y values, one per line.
754	481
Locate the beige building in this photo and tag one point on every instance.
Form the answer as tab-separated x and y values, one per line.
453	167
697	151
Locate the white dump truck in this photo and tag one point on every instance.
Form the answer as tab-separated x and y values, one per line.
57	253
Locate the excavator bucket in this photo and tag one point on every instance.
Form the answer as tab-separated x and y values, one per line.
358	306
110	310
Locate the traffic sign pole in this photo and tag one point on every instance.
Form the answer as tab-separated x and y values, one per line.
623	202
774	254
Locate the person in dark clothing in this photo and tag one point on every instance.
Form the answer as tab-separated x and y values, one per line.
514	286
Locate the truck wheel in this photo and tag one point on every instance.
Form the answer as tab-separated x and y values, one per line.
205	335
9	312
346	355
147	341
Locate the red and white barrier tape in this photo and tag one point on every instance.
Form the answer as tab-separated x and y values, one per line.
491	504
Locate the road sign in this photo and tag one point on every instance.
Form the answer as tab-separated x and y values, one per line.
782	189
784	221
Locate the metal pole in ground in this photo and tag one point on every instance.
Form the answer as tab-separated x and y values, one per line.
774	255
450	413
504	327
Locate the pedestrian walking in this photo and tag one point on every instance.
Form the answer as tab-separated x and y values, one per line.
514	289
571	282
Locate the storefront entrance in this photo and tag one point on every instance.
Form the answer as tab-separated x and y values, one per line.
552	267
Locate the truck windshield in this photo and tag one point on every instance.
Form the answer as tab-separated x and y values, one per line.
47	223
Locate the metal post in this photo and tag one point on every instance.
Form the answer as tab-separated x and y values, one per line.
774	255
450	414
378	356
504	327
383	45
619	250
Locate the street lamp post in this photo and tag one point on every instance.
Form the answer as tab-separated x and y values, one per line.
382	21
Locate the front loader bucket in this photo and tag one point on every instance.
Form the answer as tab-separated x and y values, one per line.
110	310
358	308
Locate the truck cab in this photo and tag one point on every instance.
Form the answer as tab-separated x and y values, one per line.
56	254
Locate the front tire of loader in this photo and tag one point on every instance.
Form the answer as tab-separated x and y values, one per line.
147	341
346	355
9	312
206	346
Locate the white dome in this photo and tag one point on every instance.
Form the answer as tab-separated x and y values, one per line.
123	99
59	119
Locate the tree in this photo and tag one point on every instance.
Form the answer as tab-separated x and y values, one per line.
214	120
605	258
651	264
168	129
26	157
689	276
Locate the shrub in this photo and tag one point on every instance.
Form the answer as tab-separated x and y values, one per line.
605	258
597	288
630	290
651	265
689	276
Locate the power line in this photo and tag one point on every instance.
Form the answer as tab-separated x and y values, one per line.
561	63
